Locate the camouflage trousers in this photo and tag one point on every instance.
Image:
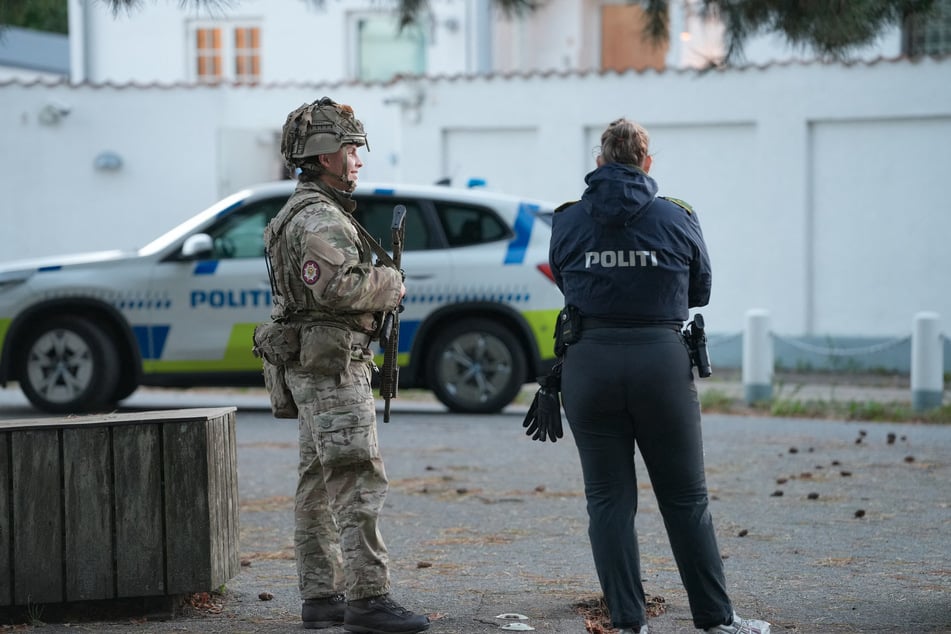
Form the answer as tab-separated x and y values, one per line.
341	485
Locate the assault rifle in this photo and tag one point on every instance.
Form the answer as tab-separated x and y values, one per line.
390	334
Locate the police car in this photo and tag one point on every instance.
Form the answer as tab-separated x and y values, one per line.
81	333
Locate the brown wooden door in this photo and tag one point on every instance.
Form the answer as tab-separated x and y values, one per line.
624	45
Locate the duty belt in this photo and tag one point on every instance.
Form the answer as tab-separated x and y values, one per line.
590	323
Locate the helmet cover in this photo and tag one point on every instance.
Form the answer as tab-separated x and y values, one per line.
321	127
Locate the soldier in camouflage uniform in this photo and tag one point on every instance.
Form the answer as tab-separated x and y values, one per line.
329	298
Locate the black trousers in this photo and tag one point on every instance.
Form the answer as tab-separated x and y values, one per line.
634	385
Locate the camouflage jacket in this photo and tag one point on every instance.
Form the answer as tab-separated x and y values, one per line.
321	267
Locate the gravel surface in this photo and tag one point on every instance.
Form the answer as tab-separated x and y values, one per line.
825	526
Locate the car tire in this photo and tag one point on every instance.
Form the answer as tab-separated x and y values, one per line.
125	387
476	366
68	365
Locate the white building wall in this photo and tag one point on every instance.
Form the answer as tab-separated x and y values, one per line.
301	41
452	36
552	39
820	188
176	151
306	41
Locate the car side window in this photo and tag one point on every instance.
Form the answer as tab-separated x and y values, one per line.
376	216
241	233
466	226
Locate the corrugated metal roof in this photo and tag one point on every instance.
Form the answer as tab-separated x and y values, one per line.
34	50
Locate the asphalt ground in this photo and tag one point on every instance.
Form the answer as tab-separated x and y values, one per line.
824	526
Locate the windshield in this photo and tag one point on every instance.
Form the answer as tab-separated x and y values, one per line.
181	231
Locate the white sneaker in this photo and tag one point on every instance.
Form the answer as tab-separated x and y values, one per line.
629	630
740	626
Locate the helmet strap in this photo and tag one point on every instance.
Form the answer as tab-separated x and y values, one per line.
344	170
340	180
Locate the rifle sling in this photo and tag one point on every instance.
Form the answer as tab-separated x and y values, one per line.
378	249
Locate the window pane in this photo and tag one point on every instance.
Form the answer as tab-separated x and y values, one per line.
470	225
208	54
930	34
383	51
241	234
247	54
376	216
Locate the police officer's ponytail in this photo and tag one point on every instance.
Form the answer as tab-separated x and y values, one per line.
624	142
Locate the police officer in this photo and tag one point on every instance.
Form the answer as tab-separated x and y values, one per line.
633	263
331	297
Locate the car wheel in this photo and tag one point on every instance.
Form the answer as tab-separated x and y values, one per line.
125	386
476	366
68	366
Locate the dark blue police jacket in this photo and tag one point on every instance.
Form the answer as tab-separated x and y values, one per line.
624	253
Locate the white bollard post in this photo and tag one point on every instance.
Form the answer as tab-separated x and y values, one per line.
757	357
927	362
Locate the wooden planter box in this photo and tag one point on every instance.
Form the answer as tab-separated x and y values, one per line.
117	506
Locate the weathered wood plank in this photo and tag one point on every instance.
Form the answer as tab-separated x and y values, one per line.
140	538
216	514
234	533
89	515
186	507
6	529
228	500
231	468
129	418
223	491
37	518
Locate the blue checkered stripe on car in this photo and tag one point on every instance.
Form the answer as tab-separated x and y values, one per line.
433	296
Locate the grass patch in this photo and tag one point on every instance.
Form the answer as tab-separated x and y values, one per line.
714	401
874	411
787	403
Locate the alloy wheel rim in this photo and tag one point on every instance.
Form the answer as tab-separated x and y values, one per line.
60	366
475	367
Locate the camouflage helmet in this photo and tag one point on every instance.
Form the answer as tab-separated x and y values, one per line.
321	127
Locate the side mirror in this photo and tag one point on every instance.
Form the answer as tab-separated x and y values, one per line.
197	245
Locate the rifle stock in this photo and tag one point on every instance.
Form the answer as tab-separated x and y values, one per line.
390	335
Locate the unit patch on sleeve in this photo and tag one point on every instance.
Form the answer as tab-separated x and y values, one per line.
310	272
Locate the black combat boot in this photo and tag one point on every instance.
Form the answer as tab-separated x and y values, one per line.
320	613
382	615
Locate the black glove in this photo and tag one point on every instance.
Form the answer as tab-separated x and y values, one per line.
543	420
